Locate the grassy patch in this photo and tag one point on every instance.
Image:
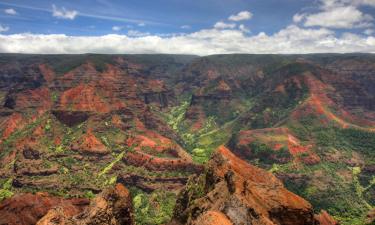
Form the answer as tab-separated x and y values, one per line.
154	208
5	191
109	166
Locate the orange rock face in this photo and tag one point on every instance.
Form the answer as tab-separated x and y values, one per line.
323	218
89	143
47	72
27	209
83	98
11	124
112	206
320	104
236	192
213	218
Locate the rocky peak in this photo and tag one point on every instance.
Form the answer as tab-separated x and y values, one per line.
235	192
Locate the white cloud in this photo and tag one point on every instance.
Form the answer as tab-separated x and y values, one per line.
222	25
291	39
10	11
63	13
244	29
340	17
338	3
244	15
185	27
365	2
298	17
3	28
338	14
117	28
141	24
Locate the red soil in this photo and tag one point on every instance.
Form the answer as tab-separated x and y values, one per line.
27	209
156	85
155	163
158	144
89	143
148	144
11	124
321	104
84	98
212	74
39	98
276	138
47	72
39	131
223	86
325	219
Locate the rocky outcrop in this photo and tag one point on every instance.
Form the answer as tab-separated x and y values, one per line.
113	206
151	162
212	218
150	184
71	118
323	218
236	192
27	209
90	144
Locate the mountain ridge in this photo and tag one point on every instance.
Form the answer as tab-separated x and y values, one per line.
75	124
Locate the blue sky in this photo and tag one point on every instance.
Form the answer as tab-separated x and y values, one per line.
182	26
159	16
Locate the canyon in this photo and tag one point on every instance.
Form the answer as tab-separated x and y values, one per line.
183	139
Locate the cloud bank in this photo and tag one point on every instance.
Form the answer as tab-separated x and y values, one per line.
292	39
338	14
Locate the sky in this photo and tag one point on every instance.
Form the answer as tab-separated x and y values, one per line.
201	27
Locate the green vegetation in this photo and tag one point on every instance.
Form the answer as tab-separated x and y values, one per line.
62	65
346	196
89	195
154	208
330	136
267	155
177	115
202	142
55	96
109	166
5	191
8	143
47	127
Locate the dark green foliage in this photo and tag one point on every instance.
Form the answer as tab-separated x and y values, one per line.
348	202
267	155
153	208
362	141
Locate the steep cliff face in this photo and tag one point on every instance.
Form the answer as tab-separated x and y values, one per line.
27	209
112	206
235	192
